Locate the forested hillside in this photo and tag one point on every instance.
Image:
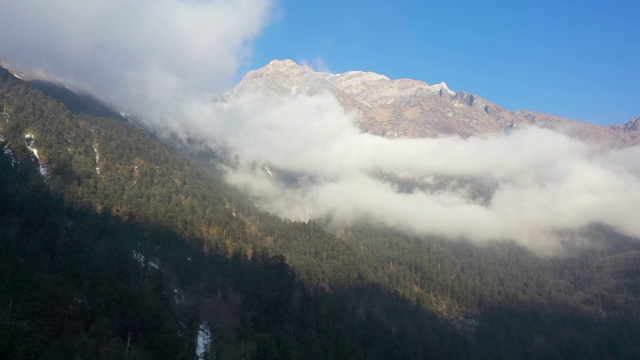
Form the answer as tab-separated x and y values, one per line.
114	244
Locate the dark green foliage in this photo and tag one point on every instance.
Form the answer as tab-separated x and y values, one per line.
71	287
77	103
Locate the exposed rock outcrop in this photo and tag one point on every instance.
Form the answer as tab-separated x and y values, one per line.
412	108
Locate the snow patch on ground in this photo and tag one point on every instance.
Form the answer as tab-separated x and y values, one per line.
6	150
441	88
137	256
203	342
28	141
95	149
178	296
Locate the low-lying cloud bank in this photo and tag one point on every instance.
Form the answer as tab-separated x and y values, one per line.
163	59
543	183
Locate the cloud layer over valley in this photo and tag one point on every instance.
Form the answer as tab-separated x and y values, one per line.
302	156
534	184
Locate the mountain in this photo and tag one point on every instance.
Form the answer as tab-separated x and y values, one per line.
116	245
413	109
79	103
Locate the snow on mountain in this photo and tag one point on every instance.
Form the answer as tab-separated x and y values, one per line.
95	150
6	151
28	141
204	342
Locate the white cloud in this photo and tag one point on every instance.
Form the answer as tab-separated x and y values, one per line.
544	182
316	63
164	59
145	55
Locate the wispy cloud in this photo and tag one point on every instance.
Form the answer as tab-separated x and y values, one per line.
165	58
141	54
316	63
540	183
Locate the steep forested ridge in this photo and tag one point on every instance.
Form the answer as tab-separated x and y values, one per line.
115	245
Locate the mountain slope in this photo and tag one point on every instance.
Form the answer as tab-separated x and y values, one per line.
152	250
132	228
411	108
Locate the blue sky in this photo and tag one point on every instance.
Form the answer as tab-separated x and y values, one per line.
576	59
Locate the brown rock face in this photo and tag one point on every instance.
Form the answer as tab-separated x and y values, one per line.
413	109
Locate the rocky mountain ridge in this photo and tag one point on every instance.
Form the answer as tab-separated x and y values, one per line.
413	109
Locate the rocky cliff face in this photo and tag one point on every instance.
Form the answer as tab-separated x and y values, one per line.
412	108
627	134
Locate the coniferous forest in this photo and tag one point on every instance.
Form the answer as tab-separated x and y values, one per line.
115	244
